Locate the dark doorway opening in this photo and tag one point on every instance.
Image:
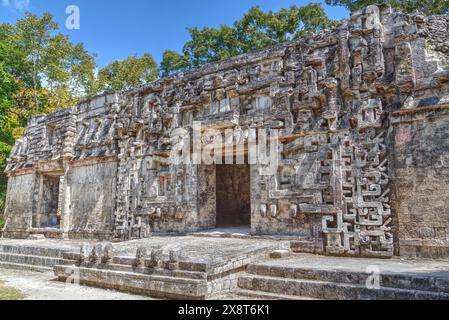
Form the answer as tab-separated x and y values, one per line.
233	196
48	216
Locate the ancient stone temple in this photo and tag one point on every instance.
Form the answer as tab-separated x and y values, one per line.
361	115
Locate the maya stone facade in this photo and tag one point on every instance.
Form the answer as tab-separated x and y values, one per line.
363	119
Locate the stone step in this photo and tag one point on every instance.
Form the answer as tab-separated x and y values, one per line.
66	262
187	266
32	251
261	295
306	246
25	267
71	256
145	270
30	260
331	290
138	283
188	270
414	281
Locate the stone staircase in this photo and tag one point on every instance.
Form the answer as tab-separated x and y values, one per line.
271	281
259	273
30	258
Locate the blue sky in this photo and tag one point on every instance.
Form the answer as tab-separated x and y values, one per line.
115	29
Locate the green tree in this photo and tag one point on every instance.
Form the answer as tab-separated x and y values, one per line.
210	45
172	62
49	71
428	7
256	30
128	73
8	87
51	59
40	71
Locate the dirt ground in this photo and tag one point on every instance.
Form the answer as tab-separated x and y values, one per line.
43	286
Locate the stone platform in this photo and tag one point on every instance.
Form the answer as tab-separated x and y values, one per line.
320	277
187	267
211	253
216	267
191	267
34	255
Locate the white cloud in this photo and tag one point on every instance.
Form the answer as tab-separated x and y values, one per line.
19	5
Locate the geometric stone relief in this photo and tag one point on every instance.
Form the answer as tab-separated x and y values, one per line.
363	226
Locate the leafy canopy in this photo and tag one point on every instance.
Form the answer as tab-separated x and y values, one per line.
128	73
256	30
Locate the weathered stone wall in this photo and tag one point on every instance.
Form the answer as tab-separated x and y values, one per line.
207	197
19	206
421	181
361	145
92	198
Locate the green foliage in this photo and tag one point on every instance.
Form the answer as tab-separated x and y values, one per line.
128	73
50	58
173	61
41	69
256	30
208	45
4	152
428	7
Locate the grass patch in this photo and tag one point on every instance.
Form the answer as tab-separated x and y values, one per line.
7	293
